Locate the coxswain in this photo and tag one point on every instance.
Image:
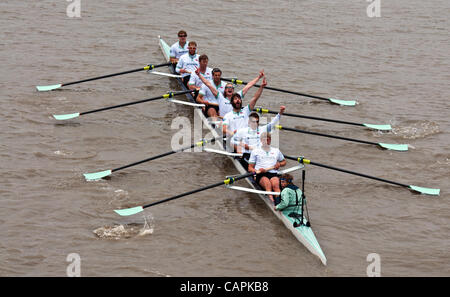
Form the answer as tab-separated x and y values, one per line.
290	194
179	48
264	162
188	63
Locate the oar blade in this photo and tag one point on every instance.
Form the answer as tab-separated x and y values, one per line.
394	147
427	191
97	175
378	127
63	117
342	102
129	211
48	88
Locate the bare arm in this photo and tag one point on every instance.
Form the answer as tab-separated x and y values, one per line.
257	94
252	82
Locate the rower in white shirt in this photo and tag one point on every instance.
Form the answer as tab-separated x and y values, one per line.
238	117
264	162
179	48
194	82
188	63
247	139
218	104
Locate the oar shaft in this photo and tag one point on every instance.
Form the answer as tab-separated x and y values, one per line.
169	95
115	74
307	117
227	181
326	135
347	171
201	143
277	89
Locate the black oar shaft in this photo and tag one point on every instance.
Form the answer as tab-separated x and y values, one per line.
327	135
201	143
308	117
115	74
277	89
198	190
136	102
348	171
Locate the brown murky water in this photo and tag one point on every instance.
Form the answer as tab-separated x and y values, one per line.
396	67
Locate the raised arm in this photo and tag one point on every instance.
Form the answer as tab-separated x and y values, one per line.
257	94
207	82
252	82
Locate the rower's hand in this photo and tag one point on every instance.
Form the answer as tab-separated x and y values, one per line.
261	74
197	71
282	109
277	166
264	82
262	170
182	70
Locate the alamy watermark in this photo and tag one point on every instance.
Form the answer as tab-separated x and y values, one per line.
74	268
374	268
374	8
74	9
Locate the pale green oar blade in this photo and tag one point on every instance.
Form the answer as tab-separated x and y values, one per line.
62	117
48	88
343	102
129	211
394	147
427	191
378	127
97	175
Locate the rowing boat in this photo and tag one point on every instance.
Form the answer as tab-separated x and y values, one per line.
303	232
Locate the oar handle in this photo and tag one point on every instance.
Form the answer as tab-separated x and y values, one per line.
148	67
324	135
262	110
306	161
168	95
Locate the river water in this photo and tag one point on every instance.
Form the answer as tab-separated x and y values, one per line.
396	66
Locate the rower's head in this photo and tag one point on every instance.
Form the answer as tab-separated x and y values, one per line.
182	35
229	90
217	75
253	120
266	139
285	180
236	101
203	61
192	47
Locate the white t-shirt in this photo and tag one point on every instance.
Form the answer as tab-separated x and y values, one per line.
189	63
236	120
263	159
176	51
206	92
225	104
251	137
196	81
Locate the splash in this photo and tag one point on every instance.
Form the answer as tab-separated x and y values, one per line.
417	130
127	230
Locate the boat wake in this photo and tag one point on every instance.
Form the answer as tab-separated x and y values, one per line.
417	130
127	230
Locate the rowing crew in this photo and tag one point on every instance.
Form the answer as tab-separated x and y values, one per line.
240	124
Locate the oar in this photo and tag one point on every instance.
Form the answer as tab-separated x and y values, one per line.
332	100
428	191
395	147
138	209
62	117
101	174
57	86
370	126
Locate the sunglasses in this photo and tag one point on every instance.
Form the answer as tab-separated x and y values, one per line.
182	35
229	87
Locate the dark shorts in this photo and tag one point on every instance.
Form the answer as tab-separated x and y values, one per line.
269	175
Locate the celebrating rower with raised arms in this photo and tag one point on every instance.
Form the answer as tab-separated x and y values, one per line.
247	139
179	48
238	117
264	162
188	63
218	104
